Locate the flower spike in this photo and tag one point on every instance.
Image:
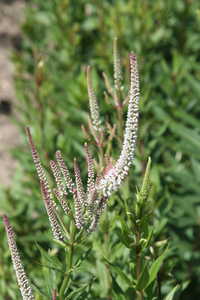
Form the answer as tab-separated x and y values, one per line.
59	195
79	185
78	212
23	282
65	172
36	159
90	181
55	226
117	65
113	179
58	177
94	108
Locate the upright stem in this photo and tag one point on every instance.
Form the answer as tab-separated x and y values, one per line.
159	287
54	294
101	155
69	263
119	104
38	97
120	123
140	294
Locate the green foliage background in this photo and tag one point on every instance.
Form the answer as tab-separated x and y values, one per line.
60	38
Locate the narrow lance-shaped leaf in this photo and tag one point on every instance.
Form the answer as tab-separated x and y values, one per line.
172	293
155	267
23	282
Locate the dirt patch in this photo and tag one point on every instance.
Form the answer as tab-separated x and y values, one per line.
11	17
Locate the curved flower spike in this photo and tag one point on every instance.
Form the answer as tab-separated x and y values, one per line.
36	159
112	180
23	282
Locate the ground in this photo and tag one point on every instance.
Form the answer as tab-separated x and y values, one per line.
11	16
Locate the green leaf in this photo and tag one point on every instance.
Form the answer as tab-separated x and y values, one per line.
82	258
189	135
149	237
185	285
116	269
144	279
123	237
116	288
77	292
124	233
171	294
51	259
154	269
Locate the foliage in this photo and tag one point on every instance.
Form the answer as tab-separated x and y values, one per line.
60	38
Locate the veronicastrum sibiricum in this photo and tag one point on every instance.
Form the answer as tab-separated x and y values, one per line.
90	203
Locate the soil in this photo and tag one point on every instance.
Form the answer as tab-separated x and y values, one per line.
11	17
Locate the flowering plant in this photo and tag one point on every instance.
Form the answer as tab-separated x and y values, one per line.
72	228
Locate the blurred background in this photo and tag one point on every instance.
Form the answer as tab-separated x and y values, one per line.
44	49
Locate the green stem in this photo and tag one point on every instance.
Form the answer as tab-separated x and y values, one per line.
100	157
159	286
140	294
41	111
69	263
121	124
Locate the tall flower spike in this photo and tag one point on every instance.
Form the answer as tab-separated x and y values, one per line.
79	197
78	212
36	159
112	180
59	195
23	282
55	226
79	185
117	65
58	177
94	108
65	172
90	181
